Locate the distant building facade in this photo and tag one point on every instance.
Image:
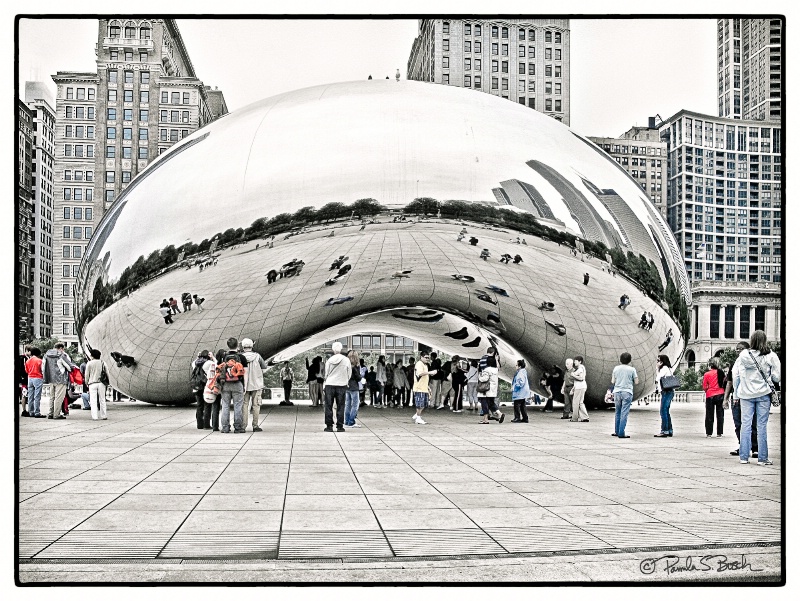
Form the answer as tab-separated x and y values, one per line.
111	124
25	145
643	155
524	60
372	345
750	68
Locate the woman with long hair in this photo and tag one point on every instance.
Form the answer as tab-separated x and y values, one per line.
755	373
664	366
520	392
714	385
579	412
351	399
380	381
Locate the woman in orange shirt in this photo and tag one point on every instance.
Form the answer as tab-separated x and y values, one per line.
714	385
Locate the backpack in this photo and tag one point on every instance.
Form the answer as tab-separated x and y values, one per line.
198	378
231	369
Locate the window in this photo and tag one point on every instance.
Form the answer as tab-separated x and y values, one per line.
467	64
68	112
557	71
495	66
761	313
128	76
112	114
65	271
144	115
558	37
446	79
548	36
467	81
112	95
521	86
127	95
111	152
78	150
504	32
79	112
144	33
477	64
531	69
477	30
521	34
164	97
548	87
494	83
87	232
90	93
113	31
176	97
558	110
88	196
144	96
142	153
114	55
505	67
126	177
184	133
522	51
163	135
445	62
65	252
77	233
128	56
467	29
504	50
494	31
65	325
186	98
127	115
467	46
130	32
714	325
477	81
142	133
548	104
445	48
68	174
558	54
109	195
548	54
744	321
77	213
173	135
127	133
185	116
164	116
531	86
548	70
531	51
494	48
77	194
126	152
144	77
68	150
477	47
113	76
67	231
109	177
64	289
76	252
445	26
90	131
67	196
174	116
74	275
142	57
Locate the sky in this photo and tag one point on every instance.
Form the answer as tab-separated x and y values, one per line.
622	70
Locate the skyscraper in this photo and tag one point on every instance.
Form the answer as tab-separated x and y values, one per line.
143	98
24	214
749	68
524	60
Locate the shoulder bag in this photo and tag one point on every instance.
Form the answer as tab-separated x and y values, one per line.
670	382
774	396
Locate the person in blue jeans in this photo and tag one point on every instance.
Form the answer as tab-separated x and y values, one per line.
664	367
755	372
623	378
351	399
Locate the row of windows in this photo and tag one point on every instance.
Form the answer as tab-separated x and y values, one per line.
144	33
172	135
80	93
66	327
502	67
469	29
174	116
127	152
127	133
71	252
174	97
78	176
111	177
77	233
502	50
127	96
79	150
78	194
128	55
127	77
79	131
79	112
78	213
66	269
127	114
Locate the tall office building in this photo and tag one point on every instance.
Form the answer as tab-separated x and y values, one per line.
144	97
524	60
724	207
40	102
641	153
749	68
25	143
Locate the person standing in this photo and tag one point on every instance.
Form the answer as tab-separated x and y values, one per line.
623	378
337	375
435	380
446	387
57	366
33	369
400	382
567	389
458	379
97	389
520	392
489	368
166	313
22	379
230	375
664	366
253	384
198	380
287	376
472	384
579	390
173	305
352	400
421	388
198	301
314	380
362	391
555	382
736	407
754	374
380	381
714	385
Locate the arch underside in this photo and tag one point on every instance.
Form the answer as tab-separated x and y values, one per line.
410	279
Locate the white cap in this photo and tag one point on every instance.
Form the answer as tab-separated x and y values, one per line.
337	347
247	343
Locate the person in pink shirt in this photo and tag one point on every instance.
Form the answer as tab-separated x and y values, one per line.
714	385
33	367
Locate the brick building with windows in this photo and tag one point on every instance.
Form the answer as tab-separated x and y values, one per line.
524	60
25	142
111	124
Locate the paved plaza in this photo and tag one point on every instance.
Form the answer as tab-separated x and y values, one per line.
146	497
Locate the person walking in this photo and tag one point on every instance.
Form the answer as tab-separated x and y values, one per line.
287	377
567	389
458	379
488	367
198	381
755	373
97	389
401	385
664	366
714	385
352	399
57	366
337	375
736	407
380	381
579	412
253	384
198	302
33	369
520	392
230	376
421	388
472	384
667	340
623	378
314	380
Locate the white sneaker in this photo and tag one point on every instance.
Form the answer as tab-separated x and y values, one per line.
356	426
421	422
767	462
414	417
348	426
743	461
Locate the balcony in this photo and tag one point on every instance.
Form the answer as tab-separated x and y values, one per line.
138	43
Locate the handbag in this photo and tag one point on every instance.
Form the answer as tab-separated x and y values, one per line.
104	376
484	382
774	395
670	382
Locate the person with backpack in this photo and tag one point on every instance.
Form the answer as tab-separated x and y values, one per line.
488	385
198	379
97	388
714	385
230	379
755	374
254	384
664	366
57	366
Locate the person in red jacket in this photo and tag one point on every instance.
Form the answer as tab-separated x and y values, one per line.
714	385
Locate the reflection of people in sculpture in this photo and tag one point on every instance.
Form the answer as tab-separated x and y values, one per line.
517	259
643	320
485	297
338	301
667	341
485	254
505	258
272	275
473	241
585	279
338	262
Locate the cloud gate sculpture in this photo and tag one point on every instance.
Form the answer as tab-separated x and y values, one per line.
271	214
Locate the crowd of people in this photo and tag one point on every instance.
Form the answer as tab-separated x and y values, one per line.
168	308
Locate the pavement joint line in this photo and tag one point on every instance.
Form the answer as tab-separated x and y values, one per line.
286	486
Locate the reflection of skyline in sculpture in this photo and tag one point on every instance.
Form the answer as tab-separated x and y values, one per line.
341	143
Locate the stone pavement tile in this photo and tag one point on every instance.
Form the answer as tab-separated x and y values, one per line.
669	483
201	459
304	487
429	466
63	500
637	474
513	500
539	486
334	519
714	494
693	472
645	495
260	502
356	458
33	473
602	514
94	486
410	501
226	521
326	502
764	492
142	502
37	485
174	476
135	520
429	519
523	474
364	468
745	508
112	474
311	468
669	512
472	487
170	488
63	519
471	476
522	517
254	475
208	468
319	460
560	499
120	465
584	475
642	534
388	483
68	465
24	496
729	481
259	487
